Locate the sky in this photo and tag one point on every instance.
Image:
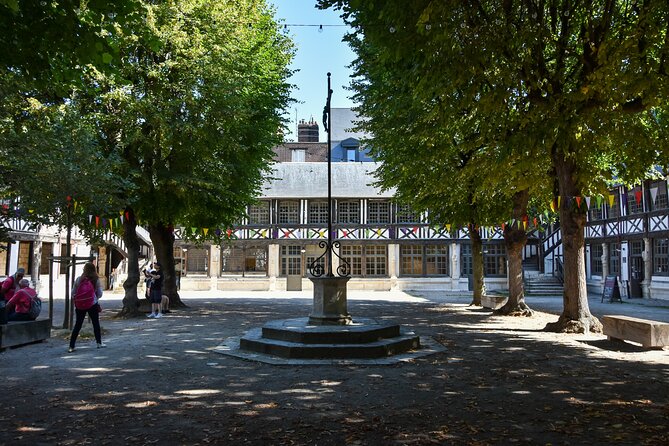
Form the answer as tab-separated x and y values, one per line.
317	52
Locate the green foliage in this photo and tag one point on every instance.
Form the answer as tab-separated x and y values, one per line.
170	108
199	110
52	161
522	87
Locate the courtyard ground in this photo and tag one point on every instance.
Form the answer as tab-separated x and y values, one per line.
500	381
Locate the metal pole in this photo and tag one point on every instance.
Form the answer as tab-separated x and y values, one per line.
329	130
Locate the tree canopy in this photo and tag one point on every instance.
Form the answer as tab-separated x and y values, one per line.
570	89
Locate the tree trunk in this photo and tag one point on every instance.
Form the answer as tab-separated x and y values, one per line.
576	316
477	264
163	243
515	239
130	300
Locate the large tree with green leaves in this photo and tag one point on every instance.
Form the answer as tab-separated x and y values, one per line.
195	119
580	83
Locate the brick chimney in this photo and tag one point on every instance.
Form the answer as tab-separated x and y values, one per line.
307	131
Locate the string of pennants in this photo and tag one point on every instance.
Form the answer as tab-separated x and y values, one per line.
582	203
111	223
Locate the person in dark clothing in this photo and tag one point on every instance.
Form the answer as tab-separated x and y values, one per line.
156	291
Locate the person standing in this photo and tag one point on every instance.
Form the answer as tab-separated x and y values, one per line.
85	294
156	291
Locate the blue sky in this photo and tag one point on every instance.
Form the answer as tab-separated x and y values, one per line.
317	53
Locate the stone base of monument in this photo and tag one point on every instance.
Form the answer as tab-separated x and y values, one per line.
299	338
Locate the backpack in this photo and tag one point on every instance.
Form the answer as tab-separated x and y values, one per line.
35	307
84	298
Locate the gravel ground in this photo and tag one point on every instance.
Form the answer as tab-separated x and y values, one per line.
501	380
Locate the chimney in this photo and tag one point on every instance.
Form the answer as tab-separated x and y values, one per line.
307	131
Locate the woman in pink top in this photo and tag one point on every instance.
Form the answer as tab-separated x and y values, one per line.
18	307
11	284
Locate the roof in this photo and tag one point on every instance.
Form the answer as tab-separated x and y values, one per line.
310	180
343	120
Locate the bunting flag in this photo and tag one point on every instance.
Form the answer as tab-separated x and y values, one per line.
553	205
90	219
578	202
599	200
612	200
448	228
559	204
653	193
535	222
205	230
587	202
503	226
637	195
111	224
97	221
76	203
217	232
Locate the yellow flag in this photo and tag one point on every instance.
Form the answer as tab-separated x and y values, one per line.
612	199
205	230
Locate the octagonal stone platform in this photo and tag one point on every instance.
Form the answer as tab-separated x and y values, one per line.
296	338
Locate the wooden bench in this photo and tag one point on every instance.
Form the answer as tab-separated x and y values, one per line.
25	332
650	334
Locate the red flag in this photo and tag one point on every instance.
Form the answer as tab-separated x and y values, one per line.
578	202
637	195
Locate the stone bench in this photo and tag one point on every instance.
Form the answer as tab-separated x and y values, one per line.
13	334
650	334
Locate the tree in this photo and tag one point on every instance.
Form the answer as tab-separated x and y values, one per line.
581	83
195	119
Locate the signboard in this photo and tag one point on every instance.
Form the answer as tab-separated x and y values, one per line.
611	289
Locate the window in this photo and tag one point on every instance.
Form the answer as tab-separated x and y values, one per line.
406	215
595	212
378	212
289	212
613	211
197	260
348	212
353	255
596	252
467	269
427	260
291	260
614	259
298	155
250	260
635	200
658	195
411	260
351	154
374	257
47	251
375	260
4	255
494	260
436	260
315	257
259	213
661	257
318	212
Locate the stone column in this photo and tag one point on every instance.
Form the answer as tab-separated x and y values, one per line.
605	262
273	264
214	266
393	264
37	261
455	266
330	305
647	256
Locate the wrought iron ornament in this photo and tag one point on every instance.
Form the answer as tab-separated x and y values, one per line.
316	268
